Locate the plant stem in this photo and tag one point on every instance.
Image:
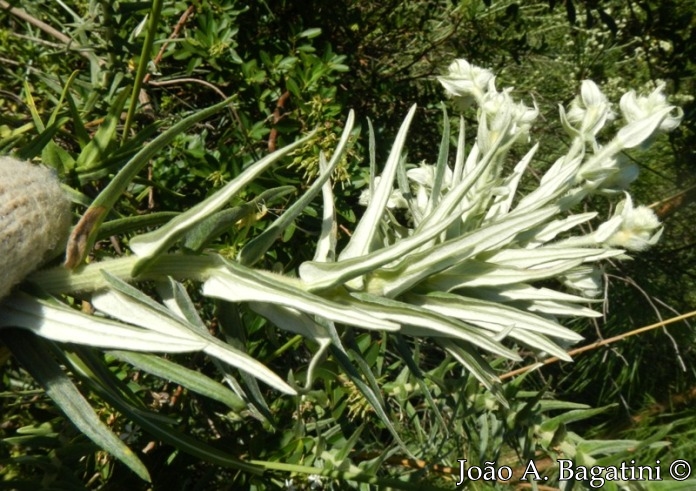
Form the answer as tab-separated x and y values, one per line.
90	278
155	11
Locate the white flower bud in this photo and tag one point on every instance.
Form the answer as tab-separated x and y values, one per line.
424	175
591	110
640	228
636	108
588	280
396	199
34	219
502	120
467	82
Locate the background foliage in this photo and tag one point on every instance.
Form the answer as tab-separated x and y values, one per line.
294	66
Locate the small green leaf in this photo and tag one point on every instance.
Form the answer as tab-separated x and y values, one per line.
98	149
310	33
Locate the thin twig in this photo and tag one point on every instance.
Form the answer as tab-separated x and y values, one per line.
184	80
175	32
598	344
24	15
670	205
277	116
51	31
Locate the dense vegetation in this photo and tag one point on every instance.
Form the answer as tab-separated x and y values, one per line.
86	86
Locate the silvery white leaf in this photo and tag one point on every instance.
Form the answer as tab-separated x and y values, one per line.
549	231
476	274
238	284
361	239
64	324
548	257
121	307
417	321
291	320
417	267
637	132
490	315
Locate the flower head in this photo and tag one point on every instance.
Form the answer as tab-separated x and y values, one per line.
639	227
591	110
636	108
467	82
503	120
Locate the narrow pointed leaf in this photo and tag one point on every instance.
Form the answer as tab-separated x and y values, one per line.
407	355
524	292
416	267
476	365
326	244
291	320
84	233
93	155
491	315
637	132
148	246
130	305
38	361
324	275
66	325
503	205
361	239
442	158
213	226
154	424
239	284
475	274
548	257
419	321
177	300
560	309
548	231
191	379
257	247
372	397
